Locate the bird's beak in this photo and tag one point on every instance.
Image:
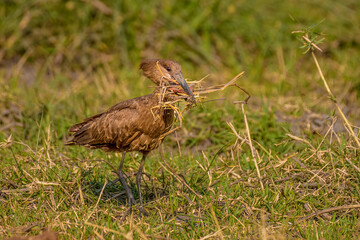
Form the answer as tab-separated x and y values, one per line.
181	80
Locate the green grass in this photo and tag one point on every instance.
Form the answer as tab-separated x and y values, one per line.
61	62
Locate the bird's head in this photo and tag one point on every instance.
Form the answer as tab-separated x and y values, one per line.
167	72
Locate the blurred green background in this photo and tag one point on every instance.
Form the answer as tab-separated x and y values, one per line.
218	36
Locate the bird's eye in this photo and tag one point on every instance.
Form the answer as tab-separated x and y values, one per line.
168	69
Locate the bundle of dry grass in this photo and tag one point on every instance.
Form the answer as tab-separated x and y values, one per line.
178	95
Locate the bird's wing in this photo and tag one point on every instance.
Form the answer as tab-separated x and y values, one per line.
114	128
117	107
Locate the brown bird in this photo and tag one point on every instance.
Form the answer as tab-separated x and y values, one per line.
137	124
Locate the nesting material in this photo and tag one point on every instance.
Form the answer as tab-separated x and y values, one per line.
178	95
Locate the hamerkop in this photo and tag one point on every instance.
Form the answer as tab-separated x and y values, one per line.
137	124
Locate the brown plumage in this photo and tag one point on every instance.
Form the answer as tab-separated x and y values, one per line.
136	124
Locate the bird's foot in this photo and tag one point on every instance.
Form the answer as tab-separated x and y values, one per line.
140	208
142	211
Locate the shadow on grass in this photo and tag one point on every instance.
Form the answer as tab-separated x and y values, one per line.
111	190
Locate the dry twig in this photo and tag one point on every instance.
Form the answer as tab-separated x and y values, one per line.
347	124
167	167
319	212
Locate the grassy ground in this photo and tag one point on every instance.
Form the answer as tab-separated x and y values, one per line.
61	62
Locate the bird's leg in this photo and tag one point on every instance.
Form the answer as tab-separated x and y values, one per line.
138	181
123	182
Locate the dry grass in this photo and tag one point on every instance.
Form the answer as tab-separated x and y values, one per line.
303	187
200	93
